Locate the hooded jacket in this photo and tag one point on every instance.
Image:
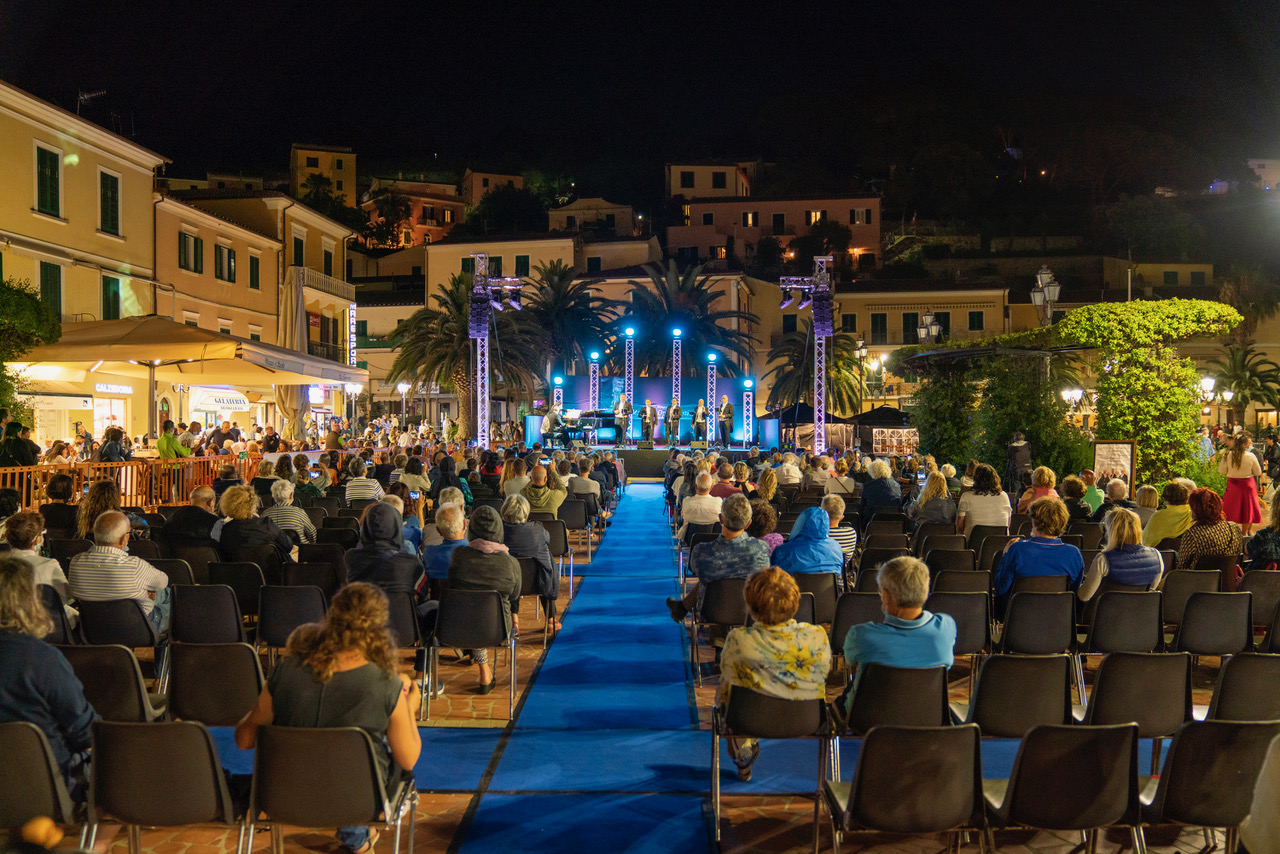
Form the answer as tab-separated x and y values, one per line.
810	547
379	559
485	563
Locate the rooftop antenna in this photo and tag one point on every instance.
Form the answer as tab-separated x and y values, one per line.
85	97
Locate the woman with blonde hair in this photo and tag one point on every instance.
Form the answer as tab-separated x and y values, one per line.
934	504
239	506
343	672
767	484
1148	502
1043	481
1125	560
742	479
842	484
36	681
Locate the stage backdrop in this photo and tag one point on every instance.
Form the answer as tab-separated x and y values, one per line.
577	393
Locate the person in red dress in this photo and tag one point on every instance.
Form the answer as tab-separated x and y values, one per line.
1240	503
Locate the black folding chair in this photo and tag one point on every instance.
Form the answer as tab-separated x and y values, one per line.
113	683
214	683
25	755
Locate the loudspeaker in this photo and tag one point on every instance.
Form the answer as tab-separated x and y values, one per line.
698	444
645	446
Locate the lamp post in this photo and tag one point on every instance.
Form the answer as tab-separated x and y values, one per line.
1206	393
1227	395
748	412
594	402
353	390
1044	296
929	328
403	388
629	384
675	365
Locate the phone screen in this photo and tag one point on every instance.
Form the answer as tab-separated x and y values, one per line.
315	474
415	495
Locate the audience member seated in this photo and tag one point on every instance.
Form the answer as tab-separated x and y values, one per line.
227	478
1043	553
37	684
360	486
486	564
107	572
701	508
412	521
1264	546
910	636
1125	560
1172	521
516	480
788	472
413	478
59	512
1092	494
451	525
810	547
382	469
844	535
1117	496
599	471
984	504
1148	500
953	482
764	521
194	524
775	656
243	527
1072	489
724	485
880	491
288	516
343	672
767	485
379	558
934	504
545	492
530	539
1210	533
582	482
25	535
262	483
735	554
1043	481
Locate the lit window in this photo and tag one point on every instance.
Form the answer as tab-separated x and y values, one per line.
750	219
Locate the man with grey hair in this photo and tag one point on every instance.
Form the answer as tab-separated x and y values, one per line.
702	508
733	555
910	636
788	473
818	475
192	525
286	515
724	486
451	523
361	486
107	571
1117	496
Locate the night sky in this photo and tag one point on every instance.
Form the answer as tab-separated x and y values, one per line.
230	84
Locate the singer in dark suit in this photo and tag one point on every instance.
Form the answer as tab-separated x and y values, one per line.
673	423
724	417
700	416
648	420
622	418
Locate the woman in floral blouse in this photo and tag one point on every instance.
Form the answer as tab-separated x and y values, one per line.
776	656
1210	533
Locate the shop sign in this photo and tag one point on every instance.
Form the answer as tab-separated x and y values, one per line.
315	394
218	399
112	388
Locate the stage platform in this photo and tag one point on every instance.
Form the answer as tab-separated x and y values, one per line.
649	463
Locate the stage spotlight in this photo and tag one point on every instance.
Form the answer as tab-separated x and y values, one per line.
788	297
675	333
559	380
805	301
629	331
515	301
496	302
711	358
595	356
748	383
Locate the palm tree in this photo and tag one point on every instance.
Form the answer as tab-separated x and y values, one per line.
435	346
1248	375
670	300
793	376
570	316
1249	291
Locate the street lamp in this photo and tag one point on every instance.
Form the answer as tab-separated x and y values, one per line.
929	327
403	388
1045	294
352	390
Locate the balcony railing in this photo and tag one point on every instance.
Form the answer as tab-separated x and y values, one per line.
327	350
317	281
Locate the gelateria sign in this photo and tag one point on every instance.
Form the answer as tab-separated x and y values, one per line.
218	400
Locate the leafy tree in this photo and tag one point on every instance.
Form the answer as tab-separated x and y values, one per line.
318	194
793	375
1250	376
825	237
391	211
435	346
671	299
25	322
944	414
1150	226
505	210
568	313
768	252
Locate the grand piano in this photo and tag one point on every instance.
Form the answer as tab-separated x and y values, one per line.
578	422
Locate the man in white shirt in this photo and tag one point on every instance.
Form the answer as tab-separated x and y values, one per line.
107	572
701	508
788	473
580	482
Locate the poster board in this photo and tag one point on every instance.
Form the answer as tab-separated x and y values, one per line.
890	441
1112	460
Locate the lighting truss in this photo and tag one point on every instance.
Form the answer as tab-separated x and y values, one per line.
486	297
816	291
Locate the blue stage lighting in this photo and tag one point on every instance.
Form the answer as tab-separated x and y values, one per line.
748	383
630	331
595	356
559	380
675	333
711	357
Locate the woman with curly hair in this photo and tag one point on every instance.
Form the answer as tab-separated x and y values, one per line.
342	672
102	496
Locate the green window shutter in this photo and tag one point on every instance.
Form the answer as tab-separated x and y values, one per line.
198	251
328	263
495	266
183	261
299	251
217	262
231	265
51	286
254	273
468	265
255	336
522	265
362	329
110	298
47	178
109	198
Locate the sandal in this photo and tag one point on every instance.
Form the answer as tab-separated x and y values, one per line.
746	762
367	848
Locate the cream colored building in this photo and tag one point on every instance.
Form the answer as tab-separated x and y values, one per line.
705	179
335	162
76	222
476	184
596	215
515	255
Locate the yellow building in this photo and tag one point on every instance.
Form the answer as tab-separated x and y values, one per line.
476	184
335	162
703	179
76	222
515	255
596	215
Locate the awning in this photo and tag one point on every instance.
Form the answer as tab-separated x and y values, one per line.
217	399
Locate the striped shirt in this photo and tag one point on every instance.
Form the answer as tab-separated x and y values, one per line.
364	487
292	518
847	538
104	573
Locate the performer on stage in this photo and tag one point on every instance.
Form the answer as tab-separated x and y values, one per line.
648	419
673	423
622	417
700	421
725	418
553	427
